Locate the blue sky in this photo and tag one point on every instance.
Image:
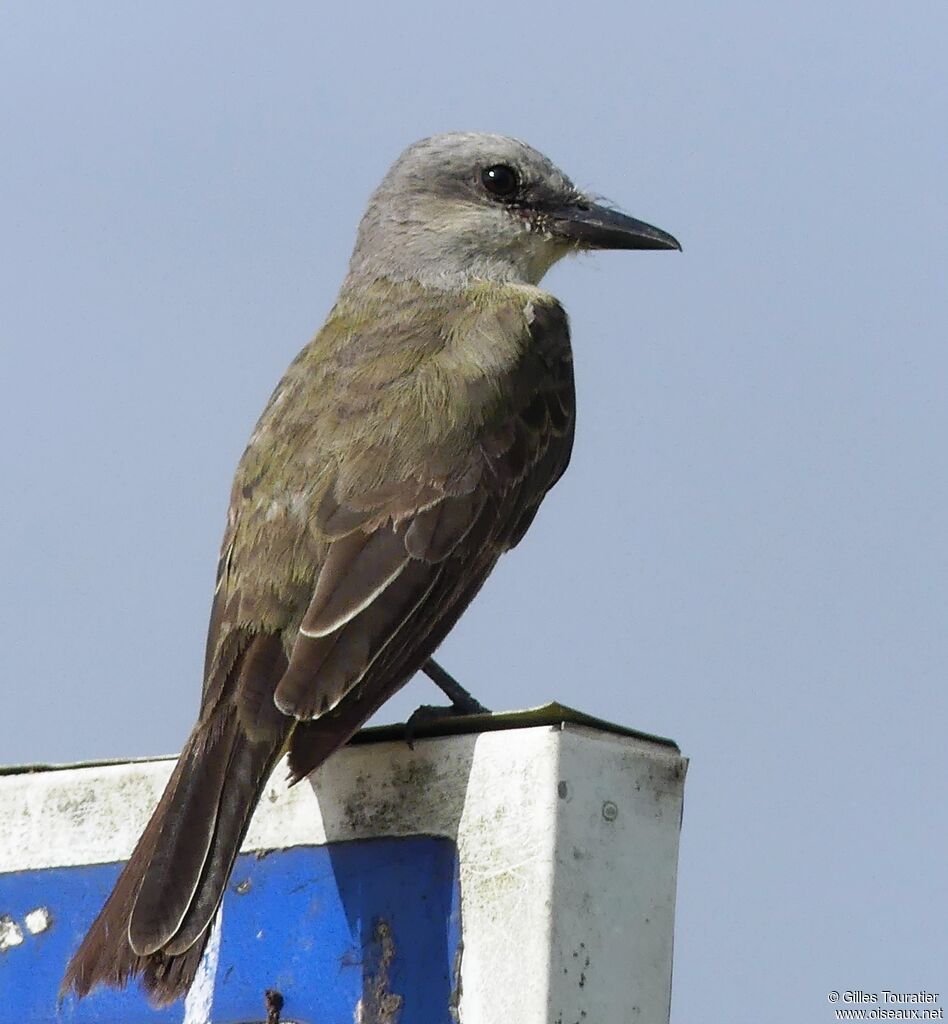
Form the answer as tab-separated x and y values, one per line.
749	552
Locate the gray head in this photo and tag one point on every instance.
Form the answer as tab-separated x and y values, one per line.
467	205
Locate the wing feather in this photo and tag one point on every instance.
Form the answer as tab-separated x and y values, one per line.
452	545
404	557
357	569
324	670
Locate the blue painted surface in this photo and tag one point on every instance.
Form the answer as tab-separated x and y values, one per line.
310	922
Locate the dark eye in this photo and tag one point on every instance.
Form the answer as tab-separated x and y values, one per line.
501	181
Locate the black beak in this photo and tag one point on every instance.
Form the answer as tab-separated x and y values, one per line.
597	227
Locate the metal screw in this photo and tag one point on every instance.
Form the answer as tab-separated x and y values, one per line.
609	811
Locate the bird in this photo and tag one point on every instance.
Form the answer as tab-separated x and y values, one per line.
408	446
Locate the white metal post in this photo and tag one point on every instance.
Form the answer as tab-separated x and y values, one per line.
566	836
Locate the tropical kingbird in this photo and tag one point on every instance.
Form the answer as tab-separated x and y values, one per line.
408	446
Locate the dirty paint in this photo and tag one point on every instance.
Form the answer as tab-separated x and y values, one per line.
378	1005
372	924
274	1003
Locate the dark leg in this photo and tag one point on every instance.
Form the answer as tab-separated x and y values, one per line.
464	703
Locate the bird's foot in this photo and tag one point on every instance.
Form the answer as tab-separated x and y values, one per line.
436	713
462	703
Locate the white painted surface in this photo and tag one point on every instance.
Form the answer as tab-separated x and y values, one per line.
200	999
37	921
567	840
11	934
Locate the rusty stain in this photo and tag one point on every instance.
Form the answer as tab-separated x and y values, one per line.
378	1005
274	1004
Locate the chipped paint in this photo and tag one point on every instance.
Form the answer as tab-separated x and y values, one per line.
38	920
11	934
378	1005
455	1000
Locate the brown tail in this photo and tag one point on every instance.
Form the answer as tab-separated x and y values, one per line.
157	920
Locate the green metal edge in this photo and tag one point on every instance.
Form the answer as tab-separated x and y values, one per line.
552	714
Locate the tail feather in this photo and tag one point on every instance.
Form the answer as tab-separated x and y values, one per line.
172	885
105	955
173	872
167	978
249	769
157	920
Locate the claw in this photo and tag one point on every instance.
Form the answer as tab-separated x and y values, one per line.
435	713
